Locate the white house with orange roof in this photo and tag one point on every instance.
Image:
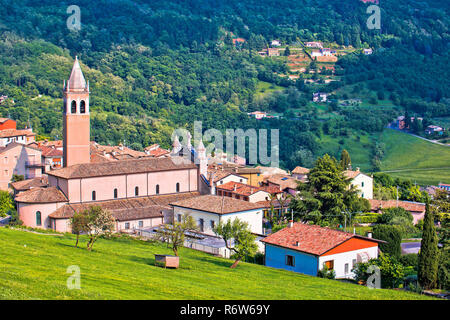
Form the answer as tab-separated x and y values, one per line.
307	249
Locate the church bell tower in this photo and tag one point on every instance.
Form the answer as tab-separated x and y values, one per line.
76	122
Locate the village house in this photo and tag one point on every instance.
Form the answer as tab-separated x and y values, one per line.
52	158
246	192
417	209
308	248
367	51
19	159
275	43
320	97
273	52
209	210
444	186
300	173
362	182
258	115
10	134
434	129
284	183
314	44
138	184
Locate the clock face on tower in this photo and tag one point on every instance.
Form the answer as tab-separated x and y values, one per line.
76	122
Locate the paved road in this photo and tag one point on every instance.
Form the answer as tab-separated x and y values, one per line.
410	247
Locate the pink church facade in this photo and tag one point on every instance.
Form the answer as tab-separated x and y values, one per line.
137	192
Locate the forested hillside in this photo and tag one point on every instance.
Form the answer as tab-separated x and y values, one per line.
157	65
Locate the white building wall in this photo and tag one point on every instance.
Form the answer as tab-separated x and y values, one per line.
233	178
340	259
252	217
365	186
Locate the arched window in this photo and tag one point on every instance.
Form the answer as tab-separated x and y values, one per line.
136	191
157	189
82	106
178	187
74	107
38	218
115	193
93	195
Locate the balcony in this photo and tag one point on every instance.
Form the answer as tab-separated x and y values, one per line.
34	164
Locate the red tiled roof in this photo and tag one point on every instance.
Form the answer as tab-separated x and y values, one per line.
126	209
311	239
217	204
300	170
16	144
41	195
29	184
50	152
111	168
15	133
386	204
351	174
284	181
239	188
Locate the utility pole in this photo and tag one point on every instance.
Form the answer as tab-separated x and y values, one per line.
397	196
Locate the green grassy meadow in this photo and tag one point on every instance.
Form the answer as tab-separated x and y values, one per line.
412	158
33	266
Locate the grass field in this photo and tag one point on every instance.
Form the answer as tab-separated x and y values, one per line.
33	266
412	158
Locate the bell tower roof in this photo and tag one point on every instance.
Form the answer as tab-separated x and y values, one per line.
76	80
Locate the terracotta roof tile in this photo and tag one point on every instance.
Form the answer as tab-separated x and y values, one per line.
217	204
284	181
41	195
126	209
86	170
50	152
407	205
311	239
300	170
30	183
15	133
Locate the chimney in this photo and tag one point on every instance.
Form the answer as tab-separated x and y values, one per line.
369	234
234	187
211	183
291	223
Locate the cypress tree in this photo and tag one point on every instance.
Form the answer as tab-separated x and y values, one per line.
345	160
429	254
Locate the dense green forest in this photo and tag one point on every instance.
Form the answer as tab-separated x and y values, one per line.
157	65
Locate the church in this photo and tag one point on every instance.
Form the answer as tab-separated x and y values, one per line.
138	192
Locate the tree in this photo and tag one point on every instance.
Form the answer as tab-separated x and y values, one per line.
6	203
327	194
174	234
428	254
237	232
392	236
78	224
97	222
17	177
287	51
345	162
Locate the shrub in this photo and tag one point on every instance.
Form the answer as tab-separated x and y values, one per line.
409	260
392	236
326	273
391	213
